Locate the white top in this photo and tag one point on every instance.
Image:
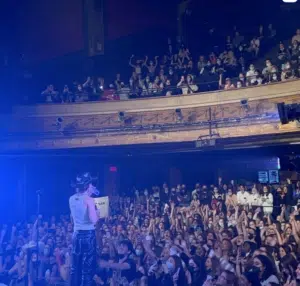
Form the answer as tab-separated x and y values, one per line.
243	198
267	200
296	38
79	212
271	279
254	200
250	73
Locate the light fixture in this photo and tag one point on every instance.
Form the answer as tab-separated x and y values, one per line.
288	112
244	104
179	116
58	123
121	116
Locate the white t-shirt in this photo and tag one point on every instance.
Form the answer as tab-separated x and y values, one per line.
271	279
250	73
243	198
254	200
296	38
255	43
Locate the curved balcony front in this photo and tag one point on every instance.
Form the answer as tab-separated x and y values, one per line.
151	120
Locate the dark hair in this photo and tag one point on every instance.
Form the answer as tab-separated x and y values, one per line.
287	261
268	265
286	248
181	275
231	280
252	277
128	244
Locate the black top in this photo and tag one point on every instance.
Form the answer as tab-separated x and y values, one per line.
127	276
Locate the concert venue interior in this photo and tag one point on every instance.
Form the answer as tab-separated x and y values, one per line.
157	139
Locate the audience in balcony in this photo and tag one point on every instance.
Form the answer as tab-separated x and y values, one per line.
179	73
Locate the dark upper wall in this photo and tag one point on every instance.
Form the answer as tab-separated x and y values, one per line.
133	16
53	28
50	28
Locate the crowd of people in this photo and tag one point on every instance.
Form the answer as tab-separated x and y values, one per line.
223	234
229	65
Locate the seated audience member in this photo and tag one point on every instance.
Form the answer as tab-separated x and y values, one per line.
228	84
49	95
268	68
67	95
296	37
283	54
254	46
123	91
251	75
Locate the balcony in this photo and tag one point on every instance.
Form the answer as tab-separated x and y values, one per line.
152	120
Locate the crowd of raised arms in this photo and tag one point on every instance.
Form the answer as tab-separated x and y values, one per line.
222	234
231	66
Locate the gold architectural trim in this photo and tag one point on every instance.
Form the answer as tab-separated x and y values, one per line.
97	140
96	124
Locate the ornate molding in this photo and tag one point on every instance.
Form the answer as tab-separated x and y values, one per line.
146	138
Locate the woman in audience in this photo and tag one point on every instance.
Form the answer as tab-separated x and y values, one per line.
266	270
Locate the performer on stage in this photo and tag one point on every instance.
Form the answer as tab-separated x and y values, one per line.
84	216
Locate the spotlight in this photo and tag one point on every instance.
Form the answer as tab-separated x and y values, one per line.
244	104
58	123
121	116
179	116
288	112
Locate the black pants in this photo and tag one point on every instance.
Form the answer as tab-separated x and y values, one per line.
83	258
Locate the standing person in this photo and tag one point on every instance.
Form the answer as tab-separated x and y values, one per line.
83	212
267	201
242	196
125	268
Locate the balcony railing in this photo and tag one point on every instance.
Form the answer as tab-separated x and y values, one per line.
150	120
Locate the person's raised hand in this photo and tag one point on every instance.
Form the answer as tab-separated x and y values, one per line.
3	231
292	217
244	261
208	283
176	276
103	264
98	280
